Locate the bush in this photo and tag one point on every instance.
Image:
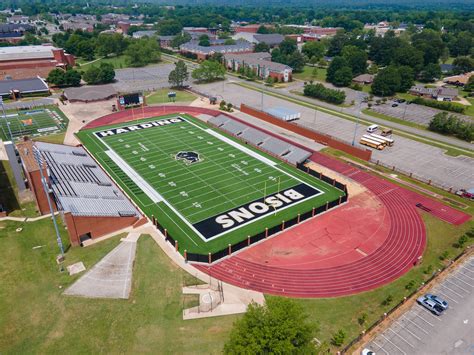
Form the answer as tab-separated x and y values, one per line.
442	123
222	105
428	270
444	255
387	301
410	285
442	105
319	91
462	240
338	338
362	319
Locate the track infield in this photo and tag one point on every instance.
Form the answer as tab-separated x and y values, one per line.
206	188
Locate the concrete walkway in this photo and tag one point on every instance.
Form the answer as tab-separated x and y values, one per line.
111	277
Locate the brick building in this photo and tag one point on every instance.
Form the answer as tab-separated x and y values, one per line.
13	32
89	202
261	64
30	61
203	52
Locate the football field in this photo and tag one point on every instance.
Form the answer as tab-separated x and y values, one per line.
33	122
205	187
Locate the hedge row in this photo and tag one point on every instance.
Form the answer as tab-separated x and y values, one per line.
442	105
319	91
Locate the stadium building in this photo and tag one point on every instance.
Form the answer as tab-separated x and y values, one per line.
89	202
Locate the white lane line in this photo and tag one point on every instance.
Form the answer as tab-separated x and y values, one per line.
424	320
462	288
398	335
463	274
457	294
387	339
434	317
446	296
467	283
407	330
380	348
416	325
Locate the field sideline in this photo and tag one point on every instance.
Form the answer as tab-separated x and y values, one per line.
188	197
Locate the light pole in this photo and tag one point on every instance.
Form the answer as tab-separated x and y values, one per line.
357	124
40	161
261	101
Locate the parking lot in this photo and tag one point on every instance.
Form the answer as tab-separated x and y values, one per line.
419	114
418	331
423	160
148	78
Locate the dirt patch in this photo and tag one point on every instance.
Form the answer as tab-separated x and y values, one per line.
353	187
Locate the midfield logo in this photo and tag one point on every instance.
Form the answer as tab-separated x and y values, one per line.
188	157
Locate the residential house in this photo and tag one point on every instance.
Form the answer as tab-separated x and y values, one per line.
13	33
438	93
364	79
261	64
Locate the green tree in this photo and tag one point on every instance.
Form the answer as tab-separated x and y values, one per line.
261	47
204	41
72	78
430	43
208	71
56	77
180	39
229	41
142	52
356	58
179	74
279	327
287	46
263	30
169	27
407	78
102	74
463	65
296	61
337	42
339	72
314	49
430	73
387	82
108	44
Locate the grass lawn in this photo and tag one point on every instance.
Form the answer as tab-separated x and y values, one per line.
36	318
52	138
161	96
117	61
307	74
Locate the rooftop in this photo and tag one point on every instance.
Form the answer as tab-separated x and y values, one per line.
26	52
23	85
239	46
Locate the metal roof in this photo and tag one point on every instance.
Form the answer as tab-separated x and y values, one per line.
26	52
239	46
23	85
90	92
271	39
80	186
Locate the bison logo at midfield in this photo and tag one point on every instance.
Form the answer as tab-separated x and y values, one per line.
188	157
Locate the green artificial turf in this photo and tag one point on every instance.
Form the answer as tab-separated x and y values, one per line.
226	178
34	122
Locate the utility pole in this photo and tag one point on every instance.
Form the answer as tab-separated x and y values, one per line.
357	124
40	161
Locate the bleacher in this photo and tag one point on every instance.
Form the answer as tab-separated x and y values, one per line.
278	147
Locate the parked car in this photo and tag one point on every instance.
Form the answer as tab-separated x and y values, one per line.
394	105
367	352
437	300
469	194
401	101
430	305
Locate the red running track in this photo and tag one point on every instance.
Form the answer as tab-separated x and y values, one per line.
377	257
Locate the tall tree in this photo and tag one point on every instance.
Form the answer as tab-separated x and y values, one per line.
337	64
314	49
142	52
356	58
279	327
387	82
208	71
179	74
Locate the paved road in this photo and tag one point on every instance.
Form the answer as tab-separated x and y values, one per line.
420	332
425	161
354	111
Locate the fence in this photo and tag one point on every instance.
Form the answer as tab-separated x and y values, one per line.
269	231
325	139
402	302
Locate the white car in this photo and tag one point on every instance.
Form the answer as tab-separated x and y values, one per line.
367	352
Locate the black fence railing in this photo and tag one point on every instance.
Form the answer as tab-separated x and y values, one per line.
269	231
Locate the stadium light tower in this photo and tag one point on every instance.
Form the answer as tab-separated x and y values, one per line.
40	161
